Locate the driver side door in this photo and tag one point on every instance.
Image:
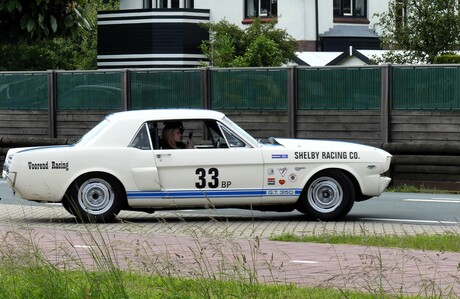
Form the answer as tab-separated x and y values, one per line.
225	172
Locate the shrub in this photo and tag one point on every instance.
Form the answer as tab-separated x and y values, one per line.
447	59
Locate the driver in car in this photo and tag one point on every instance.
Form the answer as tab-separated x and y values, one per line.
172	137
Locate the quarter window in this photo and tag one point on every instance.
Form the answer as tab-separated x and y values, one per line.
261	8
232	140
350	8
142	139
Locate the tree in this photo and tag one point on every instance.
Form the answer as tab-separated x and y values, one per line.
423	28
85	54
25	20
259	45
72	47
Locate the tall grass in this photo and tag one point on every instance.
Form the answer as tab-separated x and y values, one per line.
206	267
210	268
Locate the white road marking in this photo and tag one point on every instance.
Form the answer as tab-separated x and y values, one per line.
437	200
412	220
304	262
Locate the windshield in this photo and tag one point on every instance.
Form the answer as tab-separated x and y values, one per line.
94	131
235	128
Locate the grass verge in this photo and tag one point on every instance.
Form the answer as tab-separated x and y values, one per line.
418	189
26	271
35	283
437	242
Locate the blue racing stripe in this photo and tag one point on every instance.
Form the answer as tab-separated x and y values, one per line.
213	193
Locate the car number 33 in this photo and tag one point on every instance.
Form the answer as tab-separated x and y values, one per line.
208	178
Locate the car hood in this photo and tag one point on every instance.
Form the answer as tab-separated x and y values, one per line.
310	144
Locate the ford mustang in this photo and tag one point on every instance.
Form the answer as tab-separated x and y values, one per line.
129	161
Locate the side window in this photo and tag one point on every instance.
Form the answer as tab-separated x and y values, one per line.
142	139
232	140
223	137
181	134
193	134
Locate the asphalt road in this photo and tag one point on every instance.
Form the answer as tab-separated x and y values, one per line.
397	208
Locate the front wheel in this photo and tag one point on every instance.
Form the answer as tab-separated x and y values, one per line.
329	195
95	198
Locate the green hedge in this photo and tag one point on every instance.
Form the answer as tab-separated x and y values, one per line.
447	59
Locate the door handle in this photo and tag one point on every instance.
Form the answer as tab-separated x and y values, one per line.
159	155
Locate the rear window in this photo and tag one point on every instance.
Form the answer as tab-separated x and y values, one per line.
94	131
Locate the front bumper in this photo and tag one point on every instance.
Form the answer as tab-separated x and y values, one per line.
384	182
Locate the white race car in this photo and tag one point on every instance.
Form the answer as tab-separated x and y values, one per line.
126	163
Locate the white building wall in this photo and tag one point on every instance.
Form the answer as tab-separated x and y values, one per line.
232	11
376	6
325	15
298	17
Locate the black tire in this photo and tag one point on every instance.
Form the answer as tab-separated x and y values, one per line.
329	195
95	198
66	203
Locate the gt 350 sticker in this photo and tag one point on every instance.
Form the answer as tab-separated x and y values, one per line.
280	192
326	155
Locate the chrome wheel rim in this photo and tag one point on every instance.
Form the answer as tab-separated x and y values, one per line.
325	194
96	196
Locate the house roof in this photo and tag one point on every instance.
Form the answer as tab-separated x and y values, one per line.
350	31
336	58
317	58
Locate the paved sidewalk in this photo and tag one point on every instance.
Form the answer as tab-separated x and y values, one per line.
195	246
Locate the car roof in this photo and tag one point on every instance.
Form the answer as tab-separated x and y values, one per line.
166	114
123	125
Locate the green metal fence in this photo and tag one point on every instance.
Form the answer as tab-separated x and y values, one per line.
165	89
430	88
261	89
339	88
88	90
23	91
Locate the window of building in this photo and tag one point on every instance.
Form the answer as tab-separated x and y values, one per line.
173	3
261	8
350	8
162	3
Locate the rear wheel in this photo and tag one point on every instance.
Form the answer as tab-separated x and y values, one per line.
66	203
95	198
329	195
